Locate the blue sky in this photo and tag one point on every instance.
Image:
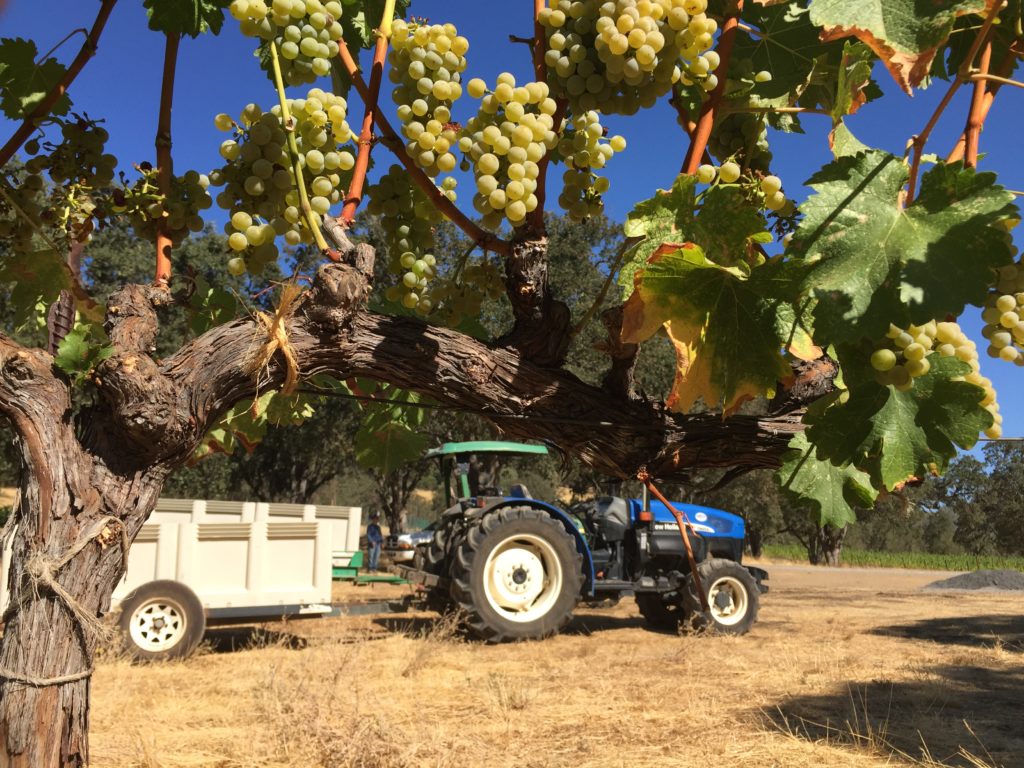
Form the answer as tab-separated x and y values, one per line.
218	74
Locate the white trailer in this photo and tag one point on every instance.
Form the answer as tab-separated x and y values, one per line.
199	563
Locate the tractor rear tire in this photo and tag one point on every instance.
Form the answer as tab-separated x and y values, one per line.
662	611
733	598
516	576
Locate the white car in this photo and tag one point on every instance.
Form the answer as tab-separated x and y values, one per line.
402	548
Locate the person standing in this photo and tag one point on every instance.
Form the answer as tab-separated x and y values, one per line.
374	539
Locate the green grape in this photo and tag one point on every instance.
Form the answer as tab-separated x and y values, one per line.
512	130
258	179
236	265
427	72
305	32
706	173
408	219
1002	314
729	172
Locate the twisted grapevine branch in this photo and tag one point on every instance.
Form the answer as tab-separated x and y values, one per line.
706	120
355	189
43	108
164	161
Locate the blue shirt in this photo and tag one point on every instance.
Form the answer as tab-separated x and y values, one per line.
373	534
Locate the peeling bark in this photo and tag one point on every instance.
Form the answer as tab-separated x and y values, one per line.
111	460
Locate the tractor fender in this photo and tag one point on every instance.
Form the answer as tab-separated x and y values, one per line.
581	543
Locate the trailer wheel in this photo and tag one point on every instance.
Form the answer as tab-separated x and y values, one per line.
517	576
162	620
662	611
733	597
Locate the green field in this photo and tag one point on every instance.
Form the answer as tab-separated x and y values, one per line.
922	560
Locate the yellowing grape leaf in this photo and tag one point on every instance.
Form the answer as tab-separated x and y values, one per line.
720	221
728	326
905	34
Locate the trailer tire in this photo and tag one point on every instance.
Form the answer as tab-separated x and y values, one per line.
733	598
516	576
162	620
664	611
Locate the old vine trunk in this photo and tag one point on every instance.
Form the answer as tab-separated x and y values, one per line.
92	475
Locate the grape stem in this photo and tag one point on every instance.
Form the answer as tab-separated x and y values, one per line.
981	76
293	148
626	247
974	118
919	141
164	161
43	108
1004	69
536	217
355	187
479	235
540	69
706	120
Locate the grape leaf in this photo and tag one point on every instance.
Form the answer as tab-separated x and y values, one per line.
82	349
854	86
787	45
843	143
895	436
905	34
23	83
724	225
873	262
727	326
830	492
186	17
34	278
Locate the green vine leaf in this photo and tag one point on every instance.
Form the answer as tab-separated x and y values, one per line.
728	327
721	222
79	352
904	34
390	434
23	83
873	262
828	491
186	17
897	436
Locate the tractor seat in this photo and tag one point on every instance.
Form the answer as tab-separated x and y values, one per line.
519	491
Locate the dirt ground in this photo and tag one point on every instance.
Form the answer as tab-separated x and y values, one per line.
848	667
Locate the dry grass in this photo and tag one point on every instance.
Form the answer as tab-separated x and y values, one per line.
862	671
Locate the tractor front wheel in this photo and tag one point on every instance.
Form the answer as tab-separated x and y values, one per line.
516	576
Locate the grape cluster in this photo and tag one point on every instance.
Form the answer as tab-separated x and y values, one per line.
767	190
1004	316
259	181
510	133
305	32
78	158
621	55
408	218
462	296
145	206
427	64
584	151
28	196
742	135
904	357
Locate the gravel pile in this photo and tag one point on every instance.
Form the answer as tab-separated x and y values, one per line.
1004	579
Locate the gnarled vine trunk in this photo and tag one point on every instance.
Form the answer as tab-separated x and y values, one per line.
92	477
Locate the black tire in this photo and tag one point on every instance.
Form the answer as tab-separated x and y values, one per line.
162	620
733	598
662	611
433	558
505	559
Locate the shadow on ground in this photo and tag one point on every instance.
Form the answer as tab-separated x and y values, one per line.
989	631
585	624
230	639
953	715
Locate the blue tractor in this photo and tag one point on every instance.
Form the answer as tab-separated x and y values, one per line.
516	566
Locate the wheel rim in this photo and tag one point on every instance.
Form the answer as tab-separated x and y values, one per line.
522	578
158	625
728	600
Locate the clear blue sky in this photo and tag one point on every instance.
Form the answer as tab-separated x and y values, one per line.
218	74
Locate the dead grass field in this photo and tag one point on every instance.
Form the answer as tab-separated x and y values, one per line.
845	668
